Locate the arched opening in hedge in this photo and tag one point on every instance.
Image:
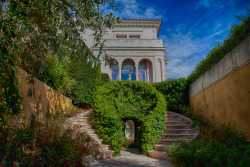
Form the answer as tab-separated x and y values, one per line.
119	101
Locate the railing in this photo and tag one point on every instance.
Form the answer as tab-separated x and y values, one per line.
133	43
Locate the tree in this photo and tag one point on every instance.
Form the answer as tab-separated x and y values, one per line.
30	29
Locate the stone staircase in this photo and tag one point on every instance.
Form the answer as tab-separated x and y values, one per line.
178	128
83	122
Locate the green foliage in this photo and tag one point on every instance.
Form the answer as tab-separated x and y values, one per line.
175	92
238	33
45	143
56	75
105	77
215	146
9	94
85	73
41	24
118	101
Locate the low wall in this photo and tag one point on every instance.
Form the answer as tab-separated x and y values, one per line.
44	99
222	94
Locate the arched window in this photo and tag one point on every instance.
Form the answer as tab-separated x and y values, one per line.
145	71
142	71
115	71
128	70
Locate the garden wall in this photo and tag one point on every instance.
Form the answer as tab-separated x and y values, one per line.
43	99
222	94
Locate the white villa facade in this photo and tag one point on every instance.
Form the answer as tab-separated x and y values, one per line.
133	43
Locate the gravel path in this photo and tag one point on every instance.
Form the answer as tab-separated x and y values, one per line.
131	158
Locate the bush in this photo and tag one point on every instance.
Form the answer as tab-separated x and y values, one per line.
210	153
215	146
119	101
45	143
56	75
105	77
175	92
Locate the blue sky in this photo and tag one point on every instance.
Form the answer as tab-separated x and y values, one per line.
190	28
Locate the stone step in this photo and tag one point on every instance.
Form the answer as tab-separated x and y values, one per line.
82	120
105	154
175	119
170	141
88	131
178	123
99	141
177	136
172	116
78	122
94	136
168	127
103	148
81	126
86	114
161	147
157	154
179	131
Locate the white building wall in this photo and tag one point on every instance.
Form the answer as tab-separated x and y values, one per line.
146	47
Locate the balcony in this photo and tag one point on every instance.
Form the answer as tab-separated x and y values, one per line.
133	43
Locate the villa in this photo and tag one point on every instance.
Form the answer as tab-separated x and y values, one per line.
133	43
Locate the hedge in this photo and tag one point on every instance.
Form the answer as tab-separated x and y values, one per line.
86	71
175	92
119	101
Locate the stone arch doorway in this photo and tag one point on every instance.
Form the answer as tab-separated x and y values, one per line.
128	69
145	71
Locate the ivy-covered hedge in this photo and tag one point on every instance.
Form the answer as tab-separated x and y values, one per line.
175	92
119	101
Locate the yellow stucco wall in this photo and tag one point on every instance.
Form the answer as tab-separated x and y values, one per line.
44	99
227	102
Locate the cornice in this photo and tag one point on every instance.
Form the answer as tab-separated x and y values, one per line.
131	48
140	23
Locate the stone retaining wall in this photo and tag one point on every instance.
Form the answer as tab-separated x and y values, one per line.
44	99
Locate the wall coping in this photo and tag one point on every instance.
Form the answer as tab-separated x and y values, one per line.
232	62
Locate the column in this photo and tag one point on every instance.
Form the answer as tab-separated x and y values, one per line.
163	70
120	73
136	72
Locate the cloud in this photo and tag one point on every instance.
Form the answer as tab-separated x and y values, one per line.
215	4
210	4
132	9
184	50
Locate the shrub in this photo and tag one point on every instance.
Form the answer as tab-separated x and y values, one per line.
215	146
105	77
211	153
119	101
45	143
56	75
175	92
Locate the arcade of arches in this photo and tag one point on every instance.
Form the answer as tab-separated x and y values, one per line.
128	69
